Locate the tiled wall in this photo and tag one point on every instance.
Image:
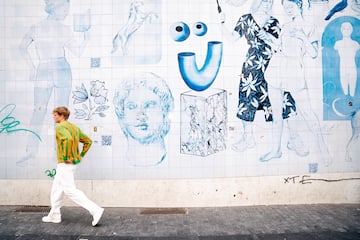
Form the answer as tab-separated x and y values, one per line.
166	91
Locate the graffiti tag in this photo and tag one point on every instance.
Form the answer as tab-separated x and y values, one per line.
9	123
306	179
51	173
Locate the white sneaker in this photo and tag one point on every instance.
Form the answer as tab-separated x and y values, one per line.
96	216
52	218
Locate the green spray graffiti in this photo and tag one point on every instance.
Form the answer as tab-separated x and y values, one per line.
51	173
9	123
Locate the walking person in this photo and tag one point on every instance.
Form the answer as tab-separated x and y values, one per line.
68	137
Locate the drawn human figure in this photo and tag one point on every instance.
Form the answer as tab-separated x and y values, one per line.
142	104
347	49
260	29
50	69
352	113
354	141
137	17
298	39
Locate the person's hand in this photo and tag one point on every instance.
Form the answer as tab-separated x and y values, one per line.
297	33
262	35
222	17
266	37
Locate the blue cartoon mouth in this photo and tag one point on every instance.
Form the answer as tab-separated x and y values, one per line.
201	79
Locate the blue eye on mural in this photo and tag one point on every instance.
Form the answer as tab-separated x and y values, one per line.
199	29
179	31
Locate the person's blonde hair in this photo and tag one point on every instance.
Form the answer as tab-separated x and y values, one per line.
62	111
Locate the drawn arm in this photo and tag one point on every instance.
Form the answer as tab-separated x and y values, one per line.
269	39
76	47
24	51
310	44
230	35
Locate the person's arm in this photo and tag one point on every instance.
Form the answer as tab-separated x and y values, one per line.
310	42
76	47
271	36
24	46
86	141
273	42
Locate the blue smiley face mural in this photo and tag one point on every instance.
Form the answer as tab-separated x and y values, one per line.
198	79
199	29
179	31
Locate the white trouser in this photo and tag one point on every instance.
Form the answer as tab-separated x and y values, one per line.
64	185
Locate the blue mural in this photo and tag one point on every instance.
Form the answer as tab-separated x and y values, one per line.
203	112
260	29
354	142
341	5
142	105
341	64
201	79
199	29
297	40
142	25
179	31
50	70
355	5
198	89
93	102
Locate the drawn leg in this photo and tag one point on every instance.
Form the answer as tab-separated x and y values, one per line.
276	99
354	140
41	100
247	141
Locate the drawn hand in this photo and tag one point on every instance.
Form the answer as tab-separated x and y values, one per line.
266	37
222	17
297	33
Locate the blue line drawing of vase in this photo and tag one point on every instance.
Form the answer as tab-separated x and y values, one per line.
201	79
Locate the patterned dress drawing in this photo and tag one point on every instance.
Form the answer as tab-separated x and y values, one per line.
253	88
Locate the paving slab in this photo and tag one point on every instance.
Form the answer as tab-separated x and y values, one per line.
275	222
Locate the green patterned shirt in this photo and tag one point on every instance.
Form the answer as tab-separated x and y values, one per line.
68	136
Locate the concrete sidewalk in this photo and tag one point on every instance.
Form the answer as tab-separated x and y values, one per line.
290	222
